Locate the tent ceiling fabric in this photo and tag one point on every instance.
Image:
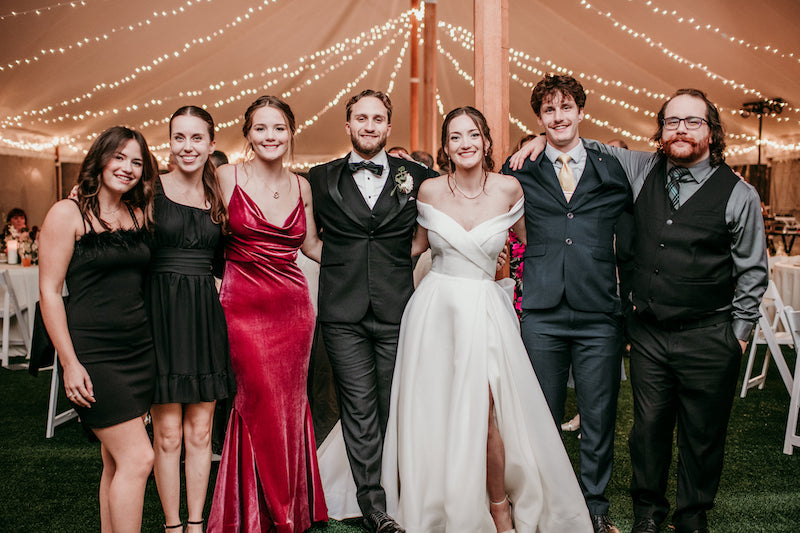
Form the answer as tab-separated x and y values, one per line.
158	55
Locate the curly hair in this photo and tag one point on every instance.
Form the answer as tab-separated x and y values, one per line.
90	176
211	187
553	84
717	144
480	121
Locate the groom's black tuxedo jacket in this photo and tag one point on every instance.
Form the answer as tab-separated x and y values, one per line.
366	255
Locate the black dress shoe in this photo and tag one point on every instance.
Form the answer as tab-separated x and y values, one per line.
603	524
380	522
645	525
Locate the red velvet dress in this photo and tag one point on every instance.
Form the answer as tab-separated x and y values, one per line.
268	477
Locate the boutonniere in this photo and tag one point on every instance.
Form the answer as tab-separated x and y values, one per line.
403	182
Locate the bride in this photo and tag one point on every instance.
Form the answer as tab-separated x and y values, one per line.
470	444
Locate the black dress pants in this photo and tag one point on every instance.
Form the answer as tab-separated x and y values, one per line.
362	357
686	376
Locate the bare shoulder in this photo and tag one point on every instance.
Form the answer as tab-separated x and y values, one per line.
305	186
226	174
507	185
431	188
63	217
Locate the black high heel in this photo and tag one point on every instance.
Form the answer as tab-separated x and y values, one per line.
166	527
196	523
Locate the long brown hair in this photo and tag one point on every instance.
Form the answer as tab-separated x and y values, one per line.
211	187
90	176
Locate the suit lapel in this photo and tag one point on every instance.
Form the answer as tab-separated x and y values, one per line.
337	171
548	179
586	186
391	203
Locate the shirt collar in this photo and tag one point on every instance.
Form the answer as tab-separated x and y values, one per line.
699	172
380	158
578	153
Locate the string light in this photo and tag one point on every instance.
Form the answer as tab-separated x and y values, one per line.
680	59
708	28
85	41
149	67
40	10
464	38
310	62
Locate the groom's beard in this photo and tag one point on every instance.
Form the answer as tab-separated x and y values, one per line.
368	149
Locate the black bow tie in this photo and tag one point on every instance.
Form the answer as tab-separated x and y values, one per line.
369	165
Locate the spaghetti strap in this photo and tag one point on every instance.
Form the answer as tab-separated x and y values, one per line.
83	218
299	189
133	216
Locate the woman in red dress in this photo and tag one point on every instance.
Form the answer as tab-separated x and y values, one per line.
268	478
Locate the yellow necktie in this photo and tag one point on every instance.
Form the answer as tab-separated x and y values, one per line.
565	176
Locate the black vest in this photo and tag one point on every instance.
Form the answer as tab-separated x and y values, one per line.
684	267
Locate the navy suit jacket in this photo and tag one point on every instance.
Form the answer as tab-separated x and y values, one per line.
570	250
366	254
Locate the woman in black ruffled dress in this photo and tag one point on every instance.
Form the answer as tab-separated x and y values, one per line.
193	365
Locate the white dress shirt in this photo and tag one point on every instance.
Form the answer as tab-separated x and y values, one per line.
368	183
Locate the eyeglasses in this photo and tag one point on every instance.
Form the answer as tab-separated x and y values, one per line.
691	123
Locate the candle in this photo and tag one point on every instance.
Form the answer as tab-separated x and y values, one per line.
11	250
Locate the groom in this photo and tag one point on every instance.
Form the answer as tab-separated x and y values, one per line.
365	208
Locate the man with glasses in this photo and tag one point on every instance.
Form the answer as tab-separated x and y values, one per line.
701	270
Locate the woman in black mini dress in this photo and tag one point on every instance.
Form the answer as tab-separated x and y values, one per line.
98	244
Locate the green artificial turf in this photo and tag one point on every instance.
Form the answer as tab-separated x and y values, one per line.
50	485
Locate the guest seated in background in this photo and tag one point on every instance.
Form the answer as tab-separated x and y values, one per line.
16	224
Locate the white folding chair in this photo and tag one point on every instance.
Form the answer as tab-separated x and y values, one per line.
11	306
792	438
773	334
55	419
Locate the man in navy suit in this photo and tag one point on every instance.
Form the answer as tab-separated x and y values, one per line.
365	209
570	306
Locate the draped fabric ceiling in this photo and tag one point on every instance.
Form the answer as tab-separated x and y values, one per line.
78	67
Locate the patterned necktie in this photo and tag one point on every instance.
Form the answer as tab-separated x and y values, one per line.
565	177
369	165
674	179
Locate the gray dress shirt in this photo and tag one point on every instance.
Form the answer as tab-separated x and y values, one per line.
745	223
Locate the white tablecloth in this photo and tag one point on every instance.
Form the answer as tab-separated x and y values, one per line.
25	281
786	276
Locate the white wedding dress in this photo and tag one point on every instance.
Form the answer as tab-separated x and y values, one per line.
460	337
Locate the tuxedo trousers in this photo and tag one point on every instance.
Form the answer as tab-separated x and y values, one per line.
362	356
686	376
591	343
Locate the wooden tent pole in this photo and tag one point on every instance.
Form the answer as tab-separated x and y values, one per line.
429	80
491	71
413	125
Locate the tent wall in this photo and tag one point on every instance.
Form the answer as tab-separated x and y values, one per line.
29	183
